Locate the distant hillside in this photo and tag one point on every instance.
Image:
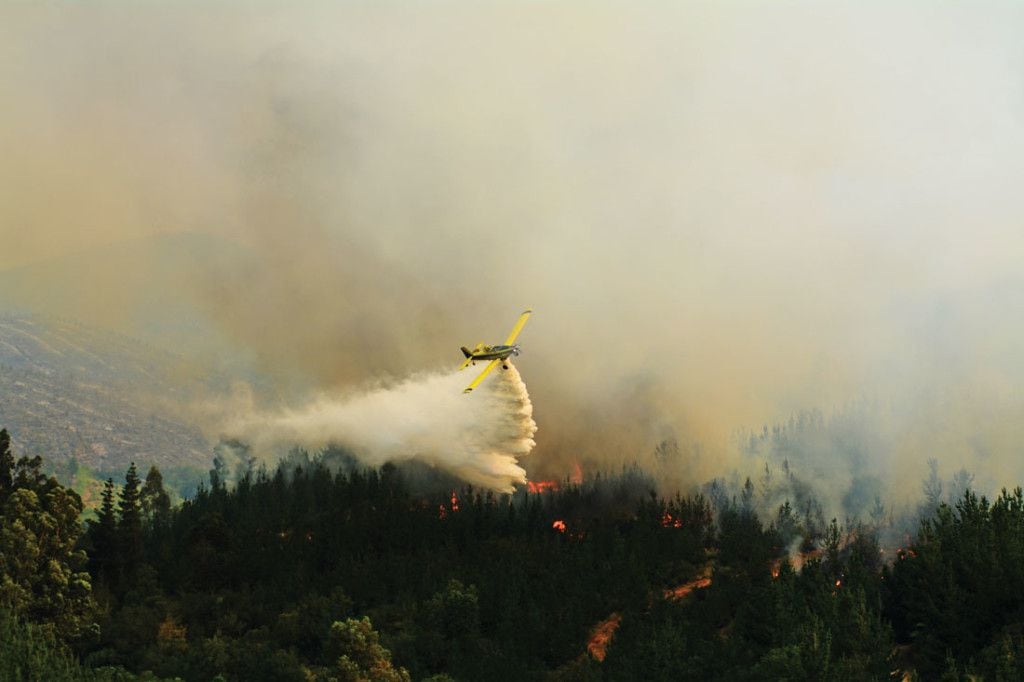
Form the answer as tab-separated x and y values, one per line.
67	390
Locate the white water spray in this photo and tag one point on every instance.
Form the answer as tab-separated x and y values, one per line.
477	437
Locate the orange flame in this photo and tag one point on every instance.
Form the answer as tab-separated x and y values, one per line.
668	521
577	473
559	525
802	558
602	635
537	487
700	582
442	511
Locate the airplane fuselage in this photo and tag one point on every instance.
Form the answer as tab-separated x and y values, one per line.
493	353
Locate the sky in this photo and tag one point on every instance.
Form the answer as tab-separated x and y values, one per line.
721	213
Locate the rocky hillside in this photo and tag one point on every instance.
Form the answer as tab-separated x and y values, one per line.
67	390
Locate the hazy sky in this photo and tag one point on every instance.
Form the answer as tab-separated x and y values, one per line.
721	212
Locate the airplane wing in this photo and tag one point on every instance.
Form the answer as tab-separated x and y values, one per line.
519	326
487	370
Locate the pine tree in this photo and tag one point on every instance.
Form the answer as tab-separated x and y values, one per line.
6	466
103	533
130	524
156	504
932	488
747	496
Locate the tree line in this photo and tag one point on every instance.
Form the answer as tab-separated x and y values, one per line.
322	570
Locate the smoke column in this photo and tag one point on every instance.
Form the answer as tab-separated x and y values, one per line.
739	210
477	437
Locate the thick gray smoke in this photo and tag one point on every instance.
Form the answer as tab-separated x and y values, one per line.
477	437
724	213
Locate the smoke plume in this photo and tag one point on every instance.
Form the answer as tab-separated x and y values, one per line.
723	213
477	437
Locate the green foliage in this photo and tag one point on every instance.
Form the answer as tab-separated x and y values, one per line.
960	589
818	624
252	573
449	629
278	576
129	526
103	537
155	502
29	653
357	655
453	613
42	573
6	466
304	626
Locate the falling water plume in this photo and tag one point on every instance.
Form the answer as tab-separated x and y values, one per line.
478	437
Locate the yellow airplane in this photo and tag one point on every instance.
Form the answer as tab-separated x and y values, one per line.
494	354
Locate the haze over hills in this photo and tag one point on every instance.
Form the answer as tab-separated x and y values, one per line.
101	352
145	288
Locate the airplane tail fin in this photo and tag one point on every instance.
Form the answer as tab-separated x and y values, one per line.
466	352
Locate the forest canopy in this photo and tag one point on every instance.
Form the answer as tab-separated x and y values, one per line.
322	569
